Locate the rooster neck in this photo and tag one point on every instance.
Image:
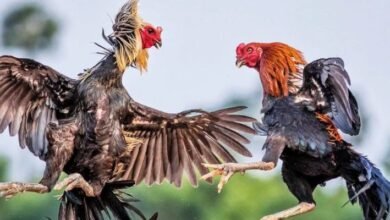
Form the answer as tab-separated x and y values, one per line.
105	72
280	70
273	84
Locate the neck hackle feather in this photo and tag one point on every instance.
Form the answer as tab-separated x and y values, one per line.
280	69
126	38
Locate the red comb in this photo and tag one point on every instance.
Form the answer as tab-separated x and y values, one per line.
239	49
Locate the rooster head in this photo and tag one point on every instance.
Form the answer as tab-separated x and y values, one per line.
248	55
151	36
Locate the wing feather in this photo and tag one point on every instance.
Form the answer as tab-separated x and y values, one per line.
331	80
196	153
158	164
182	142
31	96
186	160
219	150
206	150
176	165
151	158
165	155
139	162
233	144
233	134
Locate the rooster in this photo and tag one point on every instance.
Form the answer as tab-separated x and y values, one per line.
304	105
91	129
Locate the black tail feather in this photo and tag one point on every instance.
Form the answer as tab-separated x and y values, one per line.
111	203
366	184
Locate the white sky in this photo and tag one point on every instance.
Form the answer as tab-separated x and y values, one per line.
195	67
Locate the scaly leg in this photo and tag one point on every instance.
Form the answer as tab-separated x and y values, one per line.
301	208
8	190
73	181
227	170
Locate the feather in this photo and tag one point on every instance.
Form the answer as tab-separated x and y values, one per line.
227	111
126	38
237	118
279	64
233	144
196	155
158	159
15	124
151	156
165	154
233	134
183	141
13	106
206	149
141	160
176	162
334	81
25	88
236	126
184	154
217	149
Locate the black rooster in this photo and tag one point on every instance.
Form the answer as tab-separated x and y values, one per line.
77	126
303	108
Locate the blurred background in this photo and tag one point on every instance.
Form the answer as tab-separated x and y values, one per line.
195	68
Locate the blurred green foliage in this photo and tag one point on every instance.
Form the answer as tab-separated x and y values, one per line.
29	28
244	197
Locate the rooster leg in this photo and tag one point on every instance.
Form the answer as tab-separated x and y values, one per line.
73	181
303	207
8	190
227	170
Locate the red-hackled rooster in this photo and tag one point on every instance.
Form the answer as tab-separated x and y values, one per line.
303	110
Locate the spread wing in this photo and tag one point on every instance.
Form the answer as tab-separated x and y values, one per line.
174	143
331	81
31	96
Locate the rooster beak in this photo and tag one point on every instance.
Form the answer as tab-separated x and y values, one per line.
158	44
240	63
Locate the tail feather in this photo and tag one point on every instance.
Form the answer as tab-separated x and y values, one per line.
366	184
111	203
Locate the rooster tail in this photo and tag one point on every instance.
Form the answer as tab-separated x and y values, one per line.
111	203
366	184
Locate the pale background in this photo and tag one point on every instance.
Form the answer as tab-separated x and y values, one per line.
195	67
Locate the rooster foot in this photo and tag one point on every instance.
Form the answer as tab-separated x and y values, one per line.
73	181
301	208
8	190
227	170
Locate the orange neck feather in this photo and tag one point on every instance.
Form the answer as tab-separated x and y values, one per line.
279	63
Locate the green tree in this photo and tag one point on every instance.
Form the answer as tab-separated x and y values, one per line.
245	197
30	28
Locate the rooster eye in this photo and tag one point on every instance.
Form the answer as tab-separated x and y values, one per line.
151	31
249	50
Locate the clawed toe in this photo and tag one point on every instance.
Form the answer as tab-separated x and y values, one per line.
75	181
8	190
226	171
270	217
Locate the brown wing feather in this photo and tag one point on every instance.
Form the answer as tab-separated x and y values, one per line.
332	80
174	143
32	95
